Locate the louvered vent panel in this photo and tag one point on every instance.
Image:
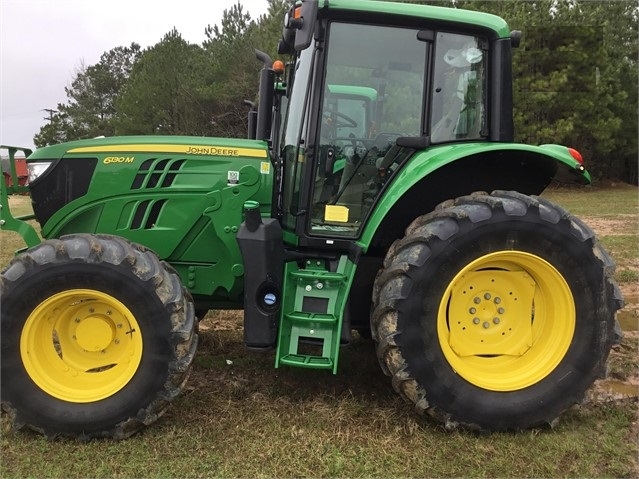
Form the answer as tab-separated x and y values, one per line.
157	173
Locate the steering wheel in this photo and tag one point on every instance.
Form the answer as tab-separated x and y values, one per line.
343	121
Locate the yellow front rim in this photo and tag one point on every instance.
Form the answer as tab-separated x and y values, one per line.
81	345
506	320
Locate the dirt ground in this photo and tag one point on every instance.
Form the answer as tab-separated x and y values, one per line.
619	225
621	385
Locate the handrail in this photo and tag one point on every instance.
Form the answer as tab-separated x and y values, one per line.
7	220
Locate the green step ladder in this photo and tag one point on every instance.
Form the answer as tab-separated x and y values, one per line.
312	311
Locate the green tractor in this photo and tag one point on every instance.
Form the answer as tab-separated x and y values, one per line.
379	191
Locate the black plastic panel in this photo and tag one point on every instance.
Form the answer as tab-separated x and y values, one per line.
65	181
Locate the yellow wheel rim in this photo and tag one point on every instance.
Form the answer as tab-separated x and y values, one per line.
81	345
506	321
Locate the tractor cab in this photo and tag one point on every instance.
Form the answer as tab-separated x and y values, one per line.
365	94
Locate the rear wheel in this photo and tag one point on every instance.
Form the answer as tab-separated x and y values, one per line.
495	312
98	336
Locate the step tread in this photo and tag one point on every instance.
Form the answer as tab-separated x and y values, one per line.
304	316
318	274
317	362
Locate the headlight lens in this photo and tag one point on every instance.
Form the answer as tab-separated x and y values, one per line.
36	169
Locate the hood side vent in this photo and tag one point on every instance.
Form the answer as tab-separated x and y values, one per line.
154	173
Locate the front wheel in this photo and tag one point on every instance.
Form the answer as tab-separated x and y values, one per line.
495	312
98	336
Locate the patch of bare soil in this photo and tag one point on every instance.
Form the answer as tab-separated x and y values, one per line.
619	225
222	320
622	382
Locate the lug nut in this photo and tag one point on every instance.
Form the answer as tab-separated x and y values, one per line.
487	296
497	300
486	325
496	320
501	310
472	310
476	320
476	300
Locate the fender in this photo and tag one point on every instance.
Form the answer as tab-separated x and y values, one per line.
447	171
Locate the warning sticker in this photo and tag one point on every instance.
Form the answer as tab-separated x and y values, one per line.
233	177
265	167
336	213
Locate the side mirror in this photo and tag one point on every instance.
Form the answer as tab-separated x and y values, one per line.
305	24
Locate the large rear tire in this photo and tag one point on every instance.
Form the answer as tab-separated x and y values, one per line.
495	312
98	336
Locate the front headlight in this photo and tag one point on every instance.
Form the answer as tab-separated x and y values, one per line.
37	168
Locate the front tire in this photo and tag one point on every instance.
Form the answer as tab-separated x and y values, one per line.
495	312
98	336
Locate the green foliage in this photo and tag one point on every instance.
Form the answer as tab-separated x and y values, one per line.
166	92
232	48
173	87
58	130
576	77
91	109
236	70
575	80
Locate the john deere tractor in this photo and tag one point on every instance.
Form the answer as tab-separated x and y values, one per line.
379	191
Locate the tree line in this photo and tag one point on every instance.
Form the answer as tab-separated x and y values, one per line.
575	80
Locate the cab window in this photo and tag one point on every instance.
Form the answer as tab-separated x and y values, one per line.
459	89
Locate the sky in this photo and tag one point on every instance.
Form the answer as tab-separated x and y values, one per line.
44	42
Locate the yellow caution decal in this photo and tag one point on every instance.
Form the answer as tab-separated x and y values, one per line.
336	214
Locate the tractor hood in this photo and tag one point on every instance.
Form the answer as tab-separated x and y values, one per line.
186	145
153	190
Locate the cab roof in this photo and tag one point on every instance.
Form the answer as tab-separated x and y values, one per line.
439	14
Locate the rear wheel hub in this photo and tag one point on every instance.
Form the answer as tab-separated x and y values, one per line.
506	320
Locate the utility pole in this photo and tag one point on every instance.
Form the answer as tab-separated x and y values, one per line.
50	111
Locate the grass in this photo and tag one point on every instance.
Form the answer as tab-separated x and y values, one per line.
9	240
238	416
254	421
588	201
